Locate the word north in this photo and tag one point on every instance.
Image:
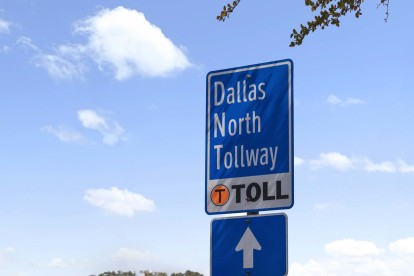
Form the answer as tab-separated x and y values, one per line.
239	157
248	124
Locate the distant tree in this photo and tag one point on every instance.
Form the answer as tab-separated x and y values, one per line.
118	273
191	273
187	273
330	12
150	273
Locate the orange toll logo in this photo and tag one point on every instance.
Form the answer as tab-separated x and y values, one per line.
220	195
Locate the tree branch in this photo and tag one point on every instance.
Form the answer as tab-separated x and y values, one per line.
330	13
385	3
227	10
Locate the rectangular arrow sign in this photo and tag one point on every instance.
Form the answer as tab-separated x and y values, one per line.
249	245
249	138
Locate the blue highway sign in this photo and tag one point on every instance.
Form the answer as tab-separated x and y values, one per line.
249	138
249	245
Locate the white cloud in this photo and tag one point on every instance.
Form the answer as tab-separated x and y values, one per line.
27	43
402	247
350	257
404	167
350	247
386	166
60	263
110	129
342	162
99	121
65	134
121	41
58	65
120	202
129	44
4	26
351	101
332	159
343	267
297	161
335	100
133	255
90	119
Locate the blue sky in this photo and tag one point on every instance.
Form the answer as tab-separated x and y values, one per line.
102	115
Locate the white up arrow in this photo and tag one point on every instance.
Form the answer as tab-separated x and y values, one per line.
248	243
